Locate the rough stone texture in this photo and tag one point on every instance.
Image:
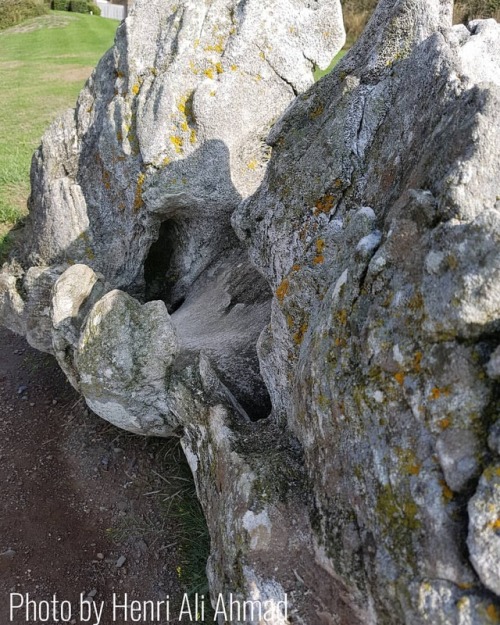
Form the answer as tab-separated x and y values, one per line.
484	528
377	227
375	232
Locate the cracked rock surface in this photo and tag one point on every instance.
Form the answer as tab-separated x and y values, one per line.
319	323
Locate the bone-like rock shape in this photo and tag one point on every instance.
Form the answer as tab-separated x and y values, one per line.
377	226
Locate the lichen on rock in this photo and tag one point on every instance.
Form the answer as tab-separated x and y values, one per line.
311	302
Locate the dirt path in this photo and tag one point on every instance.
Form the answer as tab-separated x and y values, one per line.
82	509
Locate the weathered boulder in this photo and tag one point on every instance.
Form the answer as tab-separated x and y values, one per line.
367	273
377	227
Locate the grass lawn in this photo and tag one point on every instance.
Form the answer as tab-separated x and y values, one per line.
44	63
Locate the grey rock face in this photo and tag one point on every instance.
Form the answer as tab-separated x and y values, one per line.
377	228
484	528
367	272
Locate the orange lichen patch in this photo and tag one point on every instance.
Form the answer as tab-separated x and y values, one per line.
417	359
136	88
319	259
253	164
338	183
494	525
436	392
177	142
465	585
340	342
399	377
414	469
493	613
320	245
447	492
138	201
296	267
282	290
317	111
289	321
106	179
445	423
324	204
341	317
298	337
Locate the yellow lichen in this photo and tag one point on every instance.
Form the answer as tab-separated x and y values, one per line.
436	392
166	161
319	259
218	68
136	88
493	613
234	67
446	490
445	423
324	204
298	337
138	201
282	290
253	164
317	111
342	316
209	73
177	142
399	377
417	359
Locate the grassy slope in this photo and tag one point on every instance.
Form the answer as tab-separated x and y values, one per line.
43	65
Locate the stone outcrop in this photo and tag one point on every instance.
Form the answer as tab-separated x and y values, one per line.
319	324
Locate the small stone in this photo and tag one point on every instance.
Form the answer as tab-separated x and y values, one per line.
8	554
92	593
100	556
121	561
54	402
22	389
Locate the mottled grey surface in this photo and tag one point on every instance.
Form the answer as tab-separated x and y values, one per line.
367	272
377	227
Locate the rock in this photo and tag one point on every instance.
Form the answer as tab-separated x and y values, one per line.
22	389
493	366
484	528
123	359
73	295
8	554
381	317
459	455
324	368
494	438
120	562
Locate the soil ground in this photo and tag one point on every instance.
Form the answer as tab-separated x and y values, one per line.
82	503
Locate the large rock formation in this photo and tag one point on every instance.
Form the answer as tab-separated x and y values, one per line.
366	488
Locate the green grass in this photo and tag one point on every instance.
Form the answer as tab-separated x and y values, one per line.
319	73
44	63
